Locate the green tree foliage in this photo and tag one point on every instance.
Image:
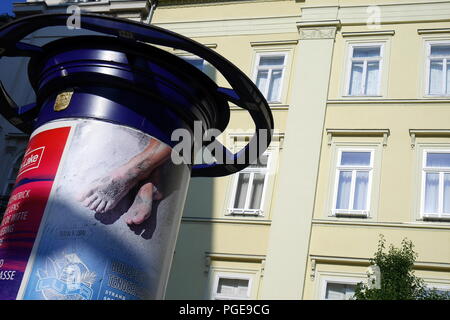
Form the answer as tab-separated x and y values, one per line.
398	281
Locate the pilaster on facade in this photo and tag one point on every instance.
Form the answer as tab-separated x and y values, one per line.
292	219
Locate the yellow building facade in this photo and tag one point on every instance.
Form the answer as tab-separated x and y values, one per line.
360	93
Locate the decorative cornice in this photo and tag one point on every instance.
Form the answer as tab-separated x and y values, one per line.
184	3
369	33
423	265
438	133
426	11
433	31
317	33
318	29
273	43
225	220
358	132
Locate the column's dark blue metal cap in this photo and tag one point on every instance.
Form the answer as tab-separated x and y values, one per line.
121	77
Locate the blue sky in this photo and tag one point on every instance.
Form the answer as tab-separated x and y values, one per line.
6	6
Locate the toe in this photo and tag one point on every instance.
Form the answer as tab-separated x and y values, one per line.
95	204
101	206
90	200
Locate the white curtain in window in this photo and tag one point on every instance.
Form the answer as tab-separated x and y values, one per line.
447	193
343	194
339	291
257	191
233	287
261	80
361	189
273	93
373	71
356	78
435	77
241	190
447	85
431	192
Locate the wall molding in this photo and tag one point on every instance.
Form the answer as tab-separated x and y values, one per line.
254	221
368	33
419	265
435	133
357	133
433	31
419	225
274	43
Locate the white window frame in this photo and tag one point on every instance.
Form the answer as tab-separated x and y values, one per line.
428	58
271	69
11	179
350	61
225	275
441	171
338	280
246	211
338	168
191	57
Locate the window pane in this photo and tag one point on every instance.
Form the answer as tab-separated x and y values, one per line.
273	93
241	190
438	159
361	190
447	87
257	191
343	194
435	77
271	61
261	80
431	192
373	71
356	78
366	52
440	50
196	62
447	193
353	158
339	291
261	162
233	287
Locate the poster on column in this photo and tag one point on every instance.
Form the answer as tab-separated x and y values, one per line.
111	219
26	206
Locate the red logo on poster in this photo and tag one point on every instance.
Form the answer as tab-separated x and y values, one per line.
31	160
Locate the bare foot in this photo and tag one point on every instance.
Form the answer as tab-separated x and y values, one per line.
106	193
141	208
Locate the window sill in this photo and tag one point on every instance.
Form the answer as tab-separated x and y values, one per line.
356	97
243	212
437	96
350	214
435	218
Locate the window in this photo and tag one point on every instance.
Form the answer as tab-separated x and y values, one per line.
438	69
436	184
195	61
231	287
249	188
365	69
353	182
12	177
339	291
269	74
